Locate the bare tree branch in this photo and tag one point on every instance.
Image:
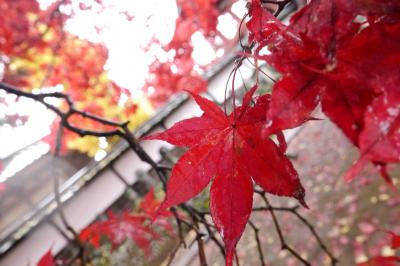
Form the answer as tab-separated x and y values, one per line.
284	245
259	248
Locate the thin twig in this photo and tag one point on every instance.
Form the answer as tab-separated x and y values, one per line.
179	226
284	245
200	244
294	211
259	248
333	259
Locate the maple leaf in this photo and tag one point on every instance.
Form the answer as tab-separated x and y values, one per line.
118	228
149	203
47	259
149	206
230	152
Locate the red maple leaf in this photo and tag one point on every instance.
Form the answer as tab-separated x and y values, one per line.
230	152
149	203
118	228
149	206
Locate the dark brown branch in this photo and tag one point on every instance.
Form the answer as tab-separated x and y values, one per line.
200	243
164	167
119	176
259	248
333	259
143	155
284	245
121	128
268	208
202	255
210	228
179	226
294	211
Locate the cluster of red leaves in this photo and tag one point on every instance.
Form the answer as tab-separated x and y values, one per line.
230	152
26	24
163	82
23	28
135	226
21	24
80	68
119	228
82	63
177	74
128	225
25	20
344	56
386	260
36	51
199	15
